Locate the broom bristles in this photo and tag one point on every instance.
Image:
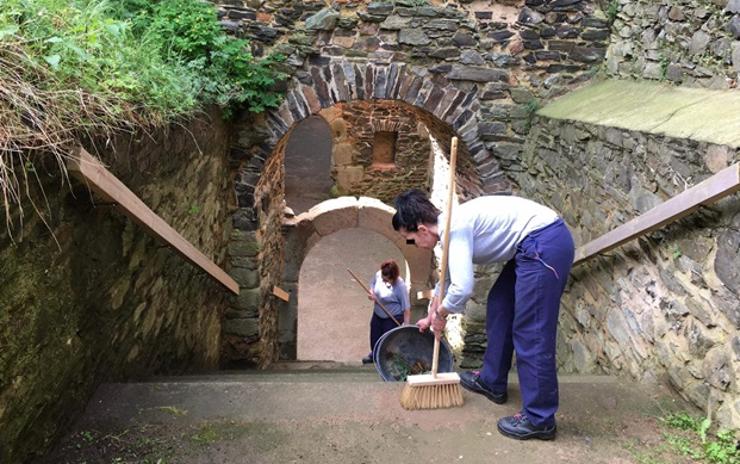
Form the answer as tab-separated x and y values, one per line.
426	392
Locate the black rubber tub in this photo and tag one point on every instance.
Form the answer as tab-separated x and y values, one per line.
405	351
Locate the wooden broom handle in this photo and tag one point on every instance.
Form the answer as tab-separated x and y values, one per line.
445	247
370	293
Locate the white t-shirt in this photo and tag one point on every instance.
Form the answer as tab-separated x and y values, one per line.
394	297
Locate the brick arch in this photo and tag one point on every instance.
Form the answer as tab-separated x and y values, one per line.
305	230
325	82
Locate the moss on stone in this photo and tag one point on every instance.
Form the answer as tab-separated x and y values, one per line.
699	114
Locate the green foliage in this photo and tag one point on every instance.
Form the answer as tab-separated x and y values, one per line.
612	10
186	28
84	47
664	62
165	57
175	411
676	252
680	421
698	443
223	68
530	110
194	209
532	106
74	69
212	432
724	450
206	435
87	436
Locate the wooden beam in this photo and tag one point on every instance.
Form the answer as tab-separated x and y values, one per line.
280	293
725	182
90	171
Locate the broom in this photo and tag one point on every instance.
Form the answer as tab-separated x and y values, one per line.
357	279
437	390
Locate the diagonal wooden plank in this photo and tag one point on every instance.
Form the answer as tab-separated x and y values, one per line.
725	182
90	171
280	293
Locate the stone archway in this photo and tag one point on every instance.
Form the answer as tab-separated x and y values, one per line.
442	105
326	218
326	82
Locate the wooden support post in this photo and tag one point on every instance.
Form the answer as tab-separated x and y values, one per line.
91	172
725	182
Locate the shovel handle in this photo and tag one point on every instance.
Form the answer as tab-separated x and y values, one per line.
357	279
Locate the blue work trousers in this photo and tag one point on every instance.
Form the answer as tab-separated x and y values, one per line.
522	315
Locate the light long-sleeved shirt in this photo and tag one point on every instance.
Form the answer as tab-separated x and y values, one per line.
486	230
394	297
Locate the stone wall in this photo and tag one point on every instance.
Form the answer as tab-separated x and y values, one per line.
481	67
250	329
665	306
100	299
685	42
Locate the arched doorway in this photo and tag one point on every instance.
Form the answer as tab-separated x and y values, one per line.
333	311
306	231
308	164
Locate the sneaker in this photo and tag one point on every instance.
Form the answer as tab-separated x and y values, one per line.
519	428
471	380
367	359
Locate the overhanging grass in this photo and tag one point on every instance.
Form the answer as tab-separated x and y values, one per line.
88	68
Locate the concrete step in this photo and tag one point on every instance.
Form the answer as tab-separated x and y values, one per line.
341	414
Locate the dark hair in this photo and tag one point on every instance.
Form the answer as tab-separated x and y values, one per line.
413	208
390	270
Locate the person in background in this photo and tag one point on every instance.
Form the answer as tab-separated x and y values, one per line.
388	288
523	304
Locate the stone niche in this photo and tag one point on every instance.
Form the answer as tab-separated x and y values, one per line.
384	150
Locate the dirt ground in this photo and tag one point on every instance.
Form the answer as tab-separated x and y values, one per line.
314	415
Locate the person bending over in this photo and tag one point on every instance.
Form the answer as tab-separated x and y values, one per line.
523	304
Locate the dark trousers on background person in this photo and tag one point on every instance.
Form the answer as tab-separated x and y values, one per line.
522	315
379	326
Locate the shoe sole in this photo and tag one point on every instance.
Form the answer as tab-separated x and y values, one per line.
546	436
489	395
